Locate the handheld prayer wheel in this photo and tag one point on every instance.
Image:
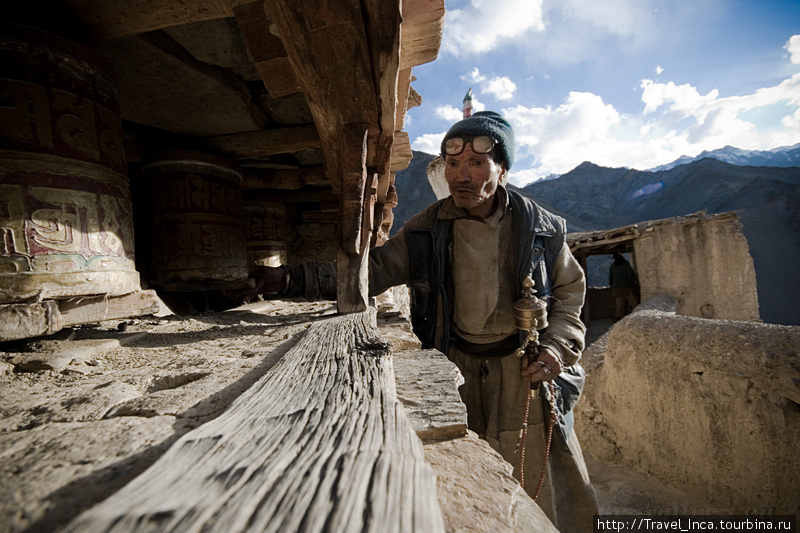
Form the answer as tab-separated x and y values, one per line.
530	314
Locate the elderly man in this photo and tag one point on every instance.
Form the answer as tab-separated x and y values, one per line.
465	259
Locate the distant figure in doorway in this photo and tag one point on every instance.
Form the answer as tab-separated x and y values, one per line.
624	283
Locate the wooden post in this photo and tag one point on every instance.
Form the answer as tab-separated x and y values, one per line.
356	216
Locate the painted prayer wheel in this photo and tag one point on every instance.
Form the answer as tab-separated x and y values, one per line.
196	221
66	225
266	235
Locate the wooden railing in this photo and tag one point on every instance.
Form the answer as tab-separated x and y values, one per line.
320	443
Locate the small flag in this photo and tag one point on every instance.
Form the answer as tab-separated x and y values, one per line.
468	104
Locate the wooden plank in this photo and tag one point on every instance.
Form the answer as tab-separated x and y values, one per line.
382	27
320	443
403	93
263	143
26	320
267	50
401	151
285	179
302	196
352	265
75	311
423	24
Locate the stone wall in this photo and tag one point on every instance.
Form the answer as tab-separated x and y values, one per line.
710	406
702	262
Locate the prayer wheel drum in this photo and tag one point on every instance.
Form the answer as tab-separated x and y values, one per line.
196	221
66	224
266	235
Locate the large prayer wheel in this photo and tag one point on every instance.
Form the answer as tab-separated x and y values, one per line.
196	221
266	235
66	226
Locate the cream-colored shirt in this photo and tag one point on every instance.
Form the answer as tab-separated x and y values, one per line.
483	262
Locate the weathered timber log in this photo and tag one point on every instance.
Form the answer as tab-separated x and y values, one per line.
320	443
383	20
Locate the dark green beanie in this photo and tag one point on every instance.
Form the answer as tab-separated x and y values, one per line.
486	123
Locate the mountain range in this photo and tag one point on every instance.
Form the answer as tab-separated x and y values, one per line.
591	197
784	156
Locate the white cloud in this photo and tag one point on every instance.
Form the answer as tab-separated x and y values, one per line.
481	25
684	98
449	113
793	47
580	31
659	70
429	143
501	87
676	120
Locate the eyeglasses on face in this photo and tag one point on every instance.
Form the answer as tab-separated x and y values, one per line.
481	144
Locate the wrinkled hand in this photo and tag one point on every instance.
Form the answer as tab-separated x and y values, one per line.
538	358
267	281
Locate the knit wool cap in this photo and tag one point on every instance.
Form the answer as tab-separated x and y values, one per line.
486	123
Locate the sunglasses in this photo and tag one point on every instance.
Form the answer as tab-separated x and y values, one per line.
481	144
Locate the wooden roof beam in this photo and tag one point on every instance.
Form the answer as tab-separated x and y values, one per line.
423	24
104	20
269	54
285	179
265	142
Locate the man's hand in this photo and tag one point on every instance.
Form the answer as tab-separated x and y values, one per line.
268	281
540	363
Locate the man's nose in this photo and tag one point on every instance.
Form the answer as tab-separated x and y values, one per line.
462	174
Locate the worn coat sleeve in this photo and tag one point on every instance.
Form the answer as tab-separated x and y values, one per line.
565	332
388	266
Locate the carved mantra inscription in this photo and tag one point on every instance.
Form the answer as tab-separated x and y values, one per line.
64	199
197	220
56	104
44	226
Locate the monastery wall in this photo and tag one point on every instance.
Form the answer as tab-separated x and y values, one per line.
709	406
702	262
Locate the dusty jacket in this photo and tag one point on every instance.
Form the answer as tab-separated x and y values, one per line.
541	251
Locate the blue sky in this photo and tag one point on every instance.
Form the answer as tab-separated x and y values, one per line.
620	83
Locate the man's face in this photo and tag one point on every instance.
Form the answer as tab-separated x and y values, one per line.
473	180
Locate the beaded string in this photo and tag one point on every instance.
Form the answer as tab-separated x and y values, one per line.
532	393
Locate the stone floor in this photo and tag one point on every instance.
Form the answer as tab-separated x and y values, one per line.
84	427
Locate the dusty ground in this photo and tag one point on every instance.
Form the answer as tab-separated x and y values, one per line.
97	406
